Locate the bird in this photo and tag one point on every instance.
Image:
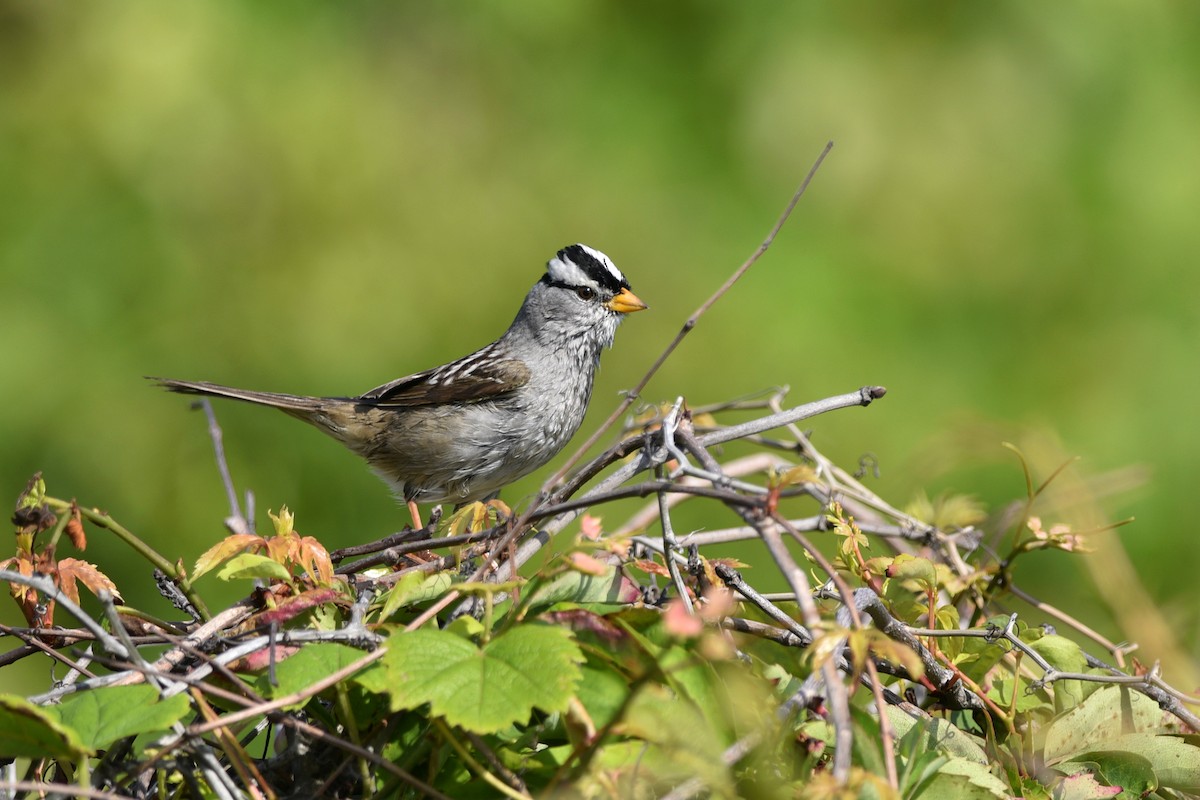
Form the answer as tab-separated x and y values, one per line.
459	432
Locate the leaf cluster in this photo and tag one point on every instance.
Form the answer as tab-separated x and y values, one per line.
630	664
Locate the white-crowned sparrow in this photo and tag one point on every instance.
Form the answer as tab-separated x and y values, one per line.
463	430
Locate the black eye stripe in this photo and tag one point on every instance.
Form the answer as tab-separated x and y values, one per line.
569	287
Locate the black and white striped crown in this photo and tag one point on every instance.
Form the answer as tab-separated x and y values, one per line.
580	265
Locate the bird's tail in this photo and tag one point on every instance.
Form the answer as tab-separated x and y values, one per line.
292	403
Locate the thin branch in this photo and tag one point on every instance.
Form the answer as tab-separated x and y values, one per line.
218	440
688	325
45	586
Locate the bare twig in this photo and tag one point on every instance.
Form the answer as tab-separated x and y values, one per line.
236	521
690	323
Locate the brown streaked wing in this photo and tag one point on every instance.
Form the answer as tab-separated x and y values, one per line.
460	382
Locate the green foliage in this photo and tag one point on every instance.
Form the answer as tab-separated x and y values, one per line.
480	689
111	713
31	731
250	565
569	683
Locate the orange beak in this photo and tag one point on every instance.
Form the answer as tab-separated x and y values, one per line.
626	302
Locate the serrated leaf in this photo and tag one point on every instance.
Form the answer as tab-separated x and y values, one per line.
105	715
960	779
252	565
475	516
31	731
314	558
1106	714
483	689
1176	761
73	570
939	734
415	587
977	656
222	550
947	511
312	663
651	567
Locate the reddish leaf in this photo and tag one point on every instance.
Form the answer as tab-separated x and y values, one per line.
583	621
588	565
651	567
74	529
259	660
591	527
284	548
35	613
678	622
718	602
71	570
315	560
293	606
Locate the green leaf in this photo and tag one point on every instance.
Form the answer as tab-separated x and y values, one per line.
960	779
602	691
481	689
465	627
34	494
415	587
31	731
1065	656
1132	772
977	656
938	734
1002	693
911	568
574	586
678	742
1106	714
304	668
252	565
110	713
947	511
1175	759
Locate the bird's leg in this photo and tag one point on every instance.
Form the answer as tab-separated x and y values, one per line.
416	514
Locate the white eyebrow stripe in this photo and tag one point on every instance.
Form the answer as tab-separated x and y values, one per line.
605	260
568	272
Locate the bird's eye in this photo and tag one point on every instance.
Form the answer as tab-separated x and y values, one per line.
585	292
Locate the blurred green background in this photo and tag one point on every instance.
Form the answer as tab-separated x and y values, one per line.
317	198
